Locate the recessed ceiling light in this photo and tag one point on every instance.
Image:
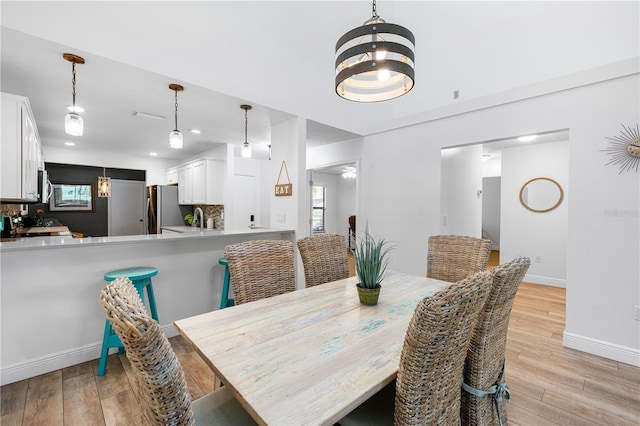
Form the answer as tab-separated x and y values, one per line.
528	138
77	108
196	131
485	157
153	154
70	144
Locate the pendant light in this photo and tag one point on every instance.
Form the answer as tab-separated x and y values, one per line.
73	123
375	62
175	137
246	149
104	185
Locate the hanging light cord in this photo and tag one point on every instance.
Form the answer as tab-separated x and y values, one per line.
73	84
176	110
245	126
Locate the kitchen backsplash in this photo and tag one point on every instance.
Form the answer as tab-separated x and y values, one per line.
10	209
216	212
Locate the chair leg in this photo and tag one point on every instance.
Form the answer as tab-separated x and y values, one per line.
109	340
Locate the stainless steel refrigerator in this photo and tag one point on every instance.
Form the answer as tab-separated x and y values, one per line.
162	208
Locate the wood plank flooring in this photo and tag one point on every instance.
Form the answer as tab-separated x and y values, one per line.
550	385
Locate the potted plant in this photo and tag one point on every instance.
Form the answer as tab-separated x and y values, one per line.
371	263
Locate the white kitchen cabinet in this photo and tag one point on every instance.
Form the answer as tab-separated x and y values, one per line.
21	151
172	176
201	182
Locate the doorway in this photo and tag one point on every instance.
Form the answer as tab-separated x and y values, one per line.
334	199
467	175
126	208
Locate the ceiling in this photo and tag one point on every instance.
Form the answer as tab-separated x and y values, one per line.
278	57
34	68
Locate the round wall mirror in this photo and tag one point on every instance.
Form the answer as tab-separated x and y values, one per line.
541	194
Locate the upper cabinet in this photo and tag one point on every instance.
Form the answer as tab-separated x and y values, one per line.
172	175
201	182
21	151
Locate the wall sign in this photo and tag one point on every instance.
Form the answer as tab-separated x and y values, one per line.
284	189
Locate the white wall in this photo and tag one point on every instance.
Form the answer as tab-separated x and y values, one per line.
491	210
399	196
288	143
335	153
603	232
460	203
156	169
541	236
492	167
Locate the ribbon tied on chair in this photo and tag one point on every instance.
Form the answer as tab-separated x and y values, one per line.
500	391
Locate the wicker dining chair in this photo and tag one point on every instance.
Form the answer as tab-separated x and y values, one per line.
260	269
484	389
454	257
162	389
324	258
427	389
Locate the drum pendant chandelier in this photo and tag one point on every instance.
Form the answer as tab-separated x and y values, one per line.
375	62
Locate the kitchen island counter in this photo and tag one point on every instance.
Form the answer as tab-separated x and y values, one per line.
50	311
57	242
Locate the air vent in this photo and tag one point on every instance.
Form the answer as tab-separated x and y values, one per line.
148	115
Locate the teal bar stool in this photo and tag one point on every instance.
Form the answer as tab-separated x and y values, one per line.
141	278
225	302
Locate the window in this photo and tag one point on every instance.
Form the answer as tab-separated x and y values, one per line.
318	195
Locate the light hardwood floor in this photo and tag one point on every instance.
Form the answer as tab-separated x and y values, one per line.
550	385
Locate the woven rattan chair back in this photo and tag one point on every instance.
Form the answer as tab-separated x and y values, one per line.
161	385
324	258
485	357
454	257
260	269
435	347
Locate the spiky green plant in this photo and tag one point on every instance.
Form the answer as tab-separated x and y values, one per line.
371	260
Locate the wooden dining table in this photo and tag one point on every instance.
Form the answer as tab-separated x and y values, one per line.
311	356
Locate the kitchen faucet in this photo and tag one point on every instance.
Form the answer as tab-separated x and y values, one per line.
195	218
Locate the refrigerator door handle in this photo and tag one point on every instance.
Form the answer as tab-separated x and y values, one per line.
146	217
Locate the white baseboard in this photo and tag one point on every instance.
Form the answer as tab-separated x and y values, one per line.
608	350
35	367
537	279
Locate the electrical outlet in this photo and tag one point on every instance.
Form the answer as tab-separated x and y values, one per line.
538	259
444	220
281	218
456	94
636	313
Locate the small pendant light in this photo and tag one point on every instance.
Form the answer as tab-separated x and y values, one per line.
246	149
175	137
375	62
73	123
104	185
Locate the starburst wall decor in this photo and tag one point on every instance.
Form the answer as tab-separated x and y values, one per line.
624	149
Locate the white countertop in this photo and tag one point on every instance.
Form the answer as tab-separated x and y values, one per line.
184	228
31	243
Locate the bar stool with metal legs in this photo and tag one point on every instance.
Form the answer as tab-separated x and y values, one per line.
141	279
225	302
